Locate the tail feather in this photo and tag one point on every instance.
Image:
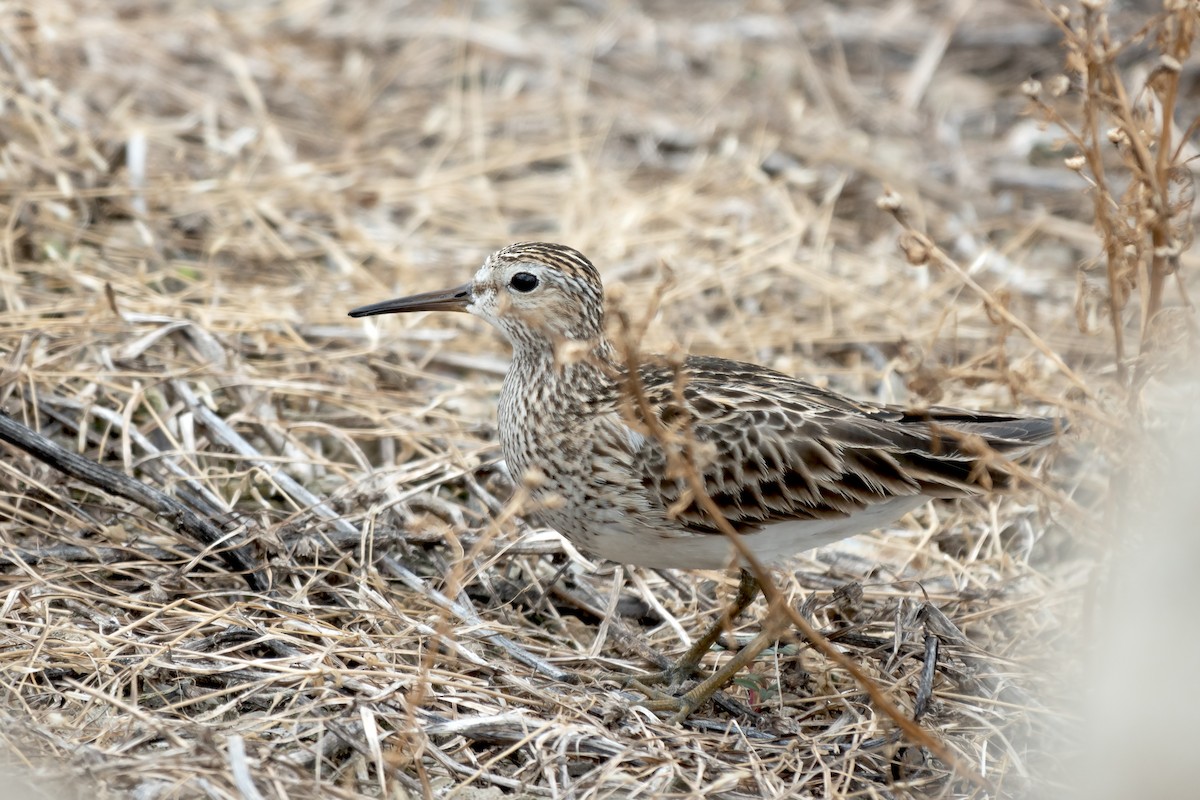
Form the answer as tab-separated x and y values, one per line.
955	456
1003	433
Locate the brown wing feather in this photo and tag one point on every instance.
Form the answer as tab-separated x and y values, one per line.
774	448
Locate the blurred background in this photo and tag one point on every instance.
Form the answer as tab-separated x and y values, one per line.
194	194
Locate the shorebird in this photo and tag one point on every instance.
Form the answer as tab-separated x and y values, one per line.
603	439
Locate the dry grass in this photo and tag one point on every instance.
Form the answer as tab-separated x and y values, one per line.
195	195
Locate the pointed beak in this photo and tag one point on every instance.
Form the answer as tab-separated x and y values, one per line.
456	299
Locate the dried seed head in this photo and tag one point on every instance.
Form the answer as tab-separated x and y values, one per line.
1168	250
916	247
1118	136
533	477
1031	88
890	201
552	501
569	351
1059	85
1075	163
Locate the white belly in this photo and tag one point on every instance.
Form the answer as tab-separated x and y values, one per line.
647	548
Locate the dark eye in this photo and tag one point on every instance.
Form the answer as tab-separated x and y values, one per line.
523	282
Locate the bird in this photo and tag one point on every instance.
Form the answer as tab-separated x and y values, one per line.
614	447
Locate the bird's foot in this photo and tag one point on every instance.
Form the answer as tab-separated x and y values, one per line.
684	704
660	689
672	677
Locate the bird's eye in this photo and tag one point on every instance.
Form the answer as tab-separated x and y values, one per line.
523	282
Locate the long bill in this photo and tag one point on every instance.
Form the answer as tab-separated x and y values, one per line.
456	299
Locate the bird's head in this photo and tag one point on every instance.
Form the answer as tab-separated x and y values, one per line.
536	293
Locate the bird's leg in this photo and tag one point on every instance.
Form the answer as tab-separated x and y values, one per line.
748	589
699	694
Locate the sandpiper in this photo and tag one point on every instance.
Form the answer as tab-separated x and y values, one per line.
790	466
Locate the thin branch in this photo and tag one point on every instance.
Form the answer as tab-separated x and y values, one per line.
183	519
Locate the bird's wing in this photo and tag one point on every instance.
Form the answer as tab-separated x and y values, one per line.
770	448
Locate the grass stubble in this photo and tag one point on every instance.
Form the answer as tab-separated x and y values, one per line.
193	197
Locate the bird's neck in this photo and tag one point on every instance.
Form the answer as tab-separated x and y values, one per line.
564	368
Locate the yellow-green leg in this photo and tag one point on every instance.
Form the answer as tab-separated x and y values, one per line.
748	589
698	695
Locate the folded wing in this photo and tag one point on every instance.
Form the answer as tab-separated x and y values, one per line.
786	450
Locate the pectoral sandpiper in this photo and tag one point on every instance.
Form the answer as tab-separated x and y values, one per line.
790	466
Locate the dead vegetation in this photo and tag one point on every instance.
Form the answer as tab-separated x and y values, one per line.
194	197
